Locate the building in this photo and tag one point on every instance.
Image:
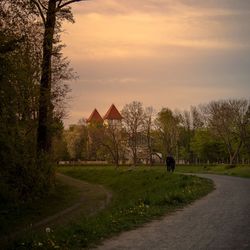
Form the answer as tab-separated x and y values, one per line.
112	117
95	117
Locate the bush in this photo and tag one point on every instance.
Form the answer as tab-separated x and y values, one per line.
22	176
230	166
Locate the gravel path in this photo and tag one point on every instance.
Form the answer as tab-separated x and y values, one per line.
221	220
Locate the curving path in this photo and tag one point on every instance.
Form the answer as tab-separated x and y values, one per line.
93	198
221	220
100	198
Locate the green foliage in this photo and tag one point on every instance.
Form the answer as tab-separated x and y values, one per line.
75	139
168	131
138	196
229	120
207	147
23	174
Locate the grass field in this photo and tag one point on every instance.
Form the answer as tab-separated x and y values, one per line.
240	171
139	195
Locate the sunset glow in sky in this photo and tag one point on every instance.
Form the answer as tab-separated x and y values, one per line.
164	53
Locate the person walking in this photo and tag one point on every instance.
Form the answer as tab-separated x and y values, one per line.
170	163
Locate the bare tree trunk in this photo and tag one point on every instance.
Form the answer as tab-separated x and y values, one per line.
45	106
234	155
117	159
149	148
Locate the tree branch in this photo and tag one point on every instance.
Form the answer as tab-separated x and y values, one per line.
43	6
39	9
60	6
60	1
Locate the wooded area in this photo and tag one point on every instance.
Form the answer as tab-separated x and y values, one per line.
33	72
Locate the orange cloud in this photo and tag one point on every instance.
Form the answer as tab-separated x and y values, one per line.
132	35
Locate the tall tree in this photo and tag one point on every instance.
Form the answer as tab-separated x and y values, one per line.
50	11
21	35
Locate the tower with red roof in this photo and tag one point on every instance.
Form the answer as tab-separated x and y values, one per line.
113	116
95	117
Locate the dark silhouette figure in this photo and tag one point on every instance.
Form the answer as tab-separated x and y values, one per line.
170	163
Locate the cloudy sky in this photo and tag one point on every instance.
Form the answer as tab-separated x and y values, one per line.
164	53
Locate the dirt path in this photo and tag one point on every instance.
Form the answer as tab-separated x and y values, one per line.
94	198
221	220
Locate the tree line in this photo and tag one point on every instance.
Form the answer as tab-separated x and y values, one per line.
216	132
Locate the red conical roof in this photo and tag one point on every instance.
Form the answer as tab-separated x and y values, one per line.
95	117
112	114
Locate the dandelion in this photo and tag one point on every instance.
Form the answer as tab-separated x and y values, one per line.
48	230
40	244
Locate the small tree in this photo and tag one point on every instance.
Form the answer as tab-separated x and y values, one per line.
76	138
167	125
113	141
133	119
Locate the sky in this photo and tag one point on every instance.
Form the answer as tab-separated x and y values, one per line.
163	53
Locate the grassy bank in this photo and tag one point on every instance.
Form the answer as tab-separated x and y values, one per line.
139	195
240	170
14	217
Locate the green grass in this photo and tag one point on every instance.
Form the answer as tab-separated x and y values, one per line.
240	171
19	217
139	195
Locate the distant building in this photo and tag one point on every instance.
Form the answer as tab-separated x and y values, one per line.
95	117
112	117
